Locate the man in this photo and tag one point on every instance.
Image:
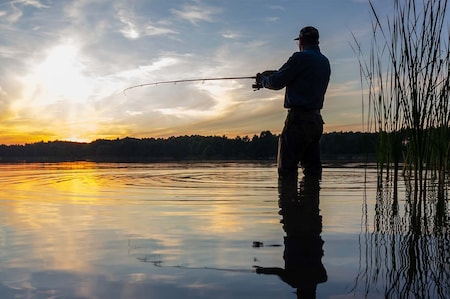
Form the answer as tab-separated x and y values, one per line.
305	75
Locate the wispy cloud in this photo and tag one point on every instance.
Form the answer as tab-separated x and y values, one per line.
231	35
134	27
13	11
10	13
34	3
277	7
196	13
272	19
152	30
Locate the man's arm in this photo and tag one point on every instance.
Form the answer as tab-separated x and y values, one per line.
278	79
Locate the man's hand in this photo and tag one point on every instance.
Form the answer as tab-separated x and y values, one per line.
258	84
259	76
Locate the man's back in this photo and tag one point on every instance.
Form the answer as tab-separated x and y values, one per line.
310	80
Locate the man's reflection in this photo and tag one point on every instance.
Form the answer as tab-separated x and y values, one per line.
299	208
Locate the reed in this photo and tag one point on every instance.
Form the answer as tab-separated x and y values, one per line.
406	76
405	80
403	256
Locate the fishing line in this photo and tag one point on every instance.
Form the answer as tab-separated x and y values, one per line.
158	263
188	80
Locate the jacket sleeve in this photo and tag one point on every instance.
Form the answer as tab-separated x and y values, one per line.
279	79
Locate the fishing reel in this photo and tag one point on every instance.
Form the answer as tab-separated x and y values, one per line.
257	86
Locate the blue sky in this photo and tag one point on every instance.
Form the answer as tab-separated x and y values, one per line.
65	64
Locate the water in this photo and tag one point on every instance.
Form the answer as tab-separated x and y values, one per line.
203	230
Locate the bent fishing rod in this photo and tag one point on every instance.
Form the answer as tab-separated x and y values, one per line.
255	86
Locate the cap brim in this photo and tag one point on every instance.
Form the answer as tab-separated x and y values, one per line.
297	38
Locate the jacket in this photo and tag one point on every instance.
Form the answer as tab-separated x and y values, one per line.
305	75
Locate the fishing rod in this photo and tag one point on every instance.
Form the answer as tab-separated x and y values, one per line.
255	86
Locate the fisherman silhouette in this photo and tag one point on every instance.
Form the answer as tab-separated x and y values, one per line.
302	223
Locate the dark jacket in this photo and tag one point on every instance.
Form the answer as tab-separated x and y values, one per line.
305	75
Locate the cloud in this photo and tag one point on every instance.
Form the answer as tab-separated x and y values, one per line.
129	29
13	11
4	104
196	13
11	14
135	27
231	35
34	3
152	30
277	7
272	19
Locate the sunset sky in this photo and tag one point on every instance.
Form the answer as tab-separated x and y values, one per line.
64	65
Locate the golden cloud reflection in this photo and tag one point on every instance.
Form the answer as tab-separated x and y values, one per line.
88	228
72	216
53	211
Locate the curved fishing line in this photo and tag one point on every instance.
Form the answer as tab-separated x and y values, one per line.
186	80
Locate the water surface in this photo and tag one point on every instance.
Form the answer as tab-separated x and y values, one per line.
200	230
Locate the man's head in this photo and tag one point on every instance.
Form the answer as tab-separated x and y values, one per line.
308	36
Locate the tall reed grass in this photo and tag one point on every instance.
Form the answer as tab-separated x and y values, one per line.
406	76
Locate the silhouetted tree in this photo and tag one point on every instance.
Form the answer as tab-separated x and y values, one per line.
185	147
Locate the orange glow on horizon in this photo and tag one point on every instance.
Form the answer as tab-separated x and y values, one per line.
20	138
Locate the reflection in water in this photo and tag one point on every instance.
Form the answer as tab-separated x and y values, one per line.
302	223
407	255
65	228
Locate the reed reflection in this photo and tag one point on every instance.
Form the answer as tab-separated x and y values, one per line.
407	255
302	223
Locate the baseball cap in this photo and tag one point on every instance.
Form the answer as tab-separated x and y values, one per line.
309	33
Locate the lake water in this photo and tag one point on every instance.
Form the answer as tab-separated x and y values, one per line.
214	230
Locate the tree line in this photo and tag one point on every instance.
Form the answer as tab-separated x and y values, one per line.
337	145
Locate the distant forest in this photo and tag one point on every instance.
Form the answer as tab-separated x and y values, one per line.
348	146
